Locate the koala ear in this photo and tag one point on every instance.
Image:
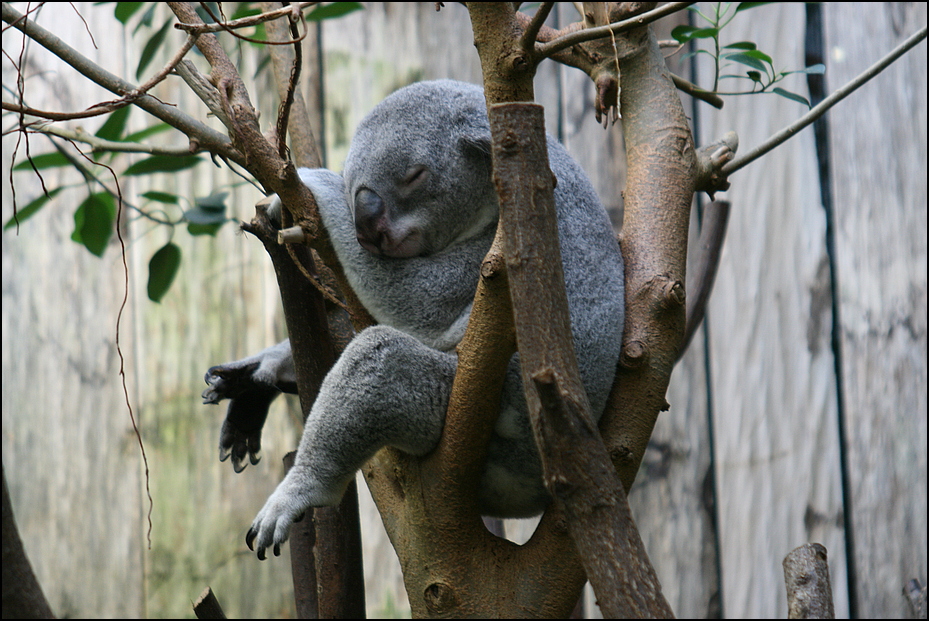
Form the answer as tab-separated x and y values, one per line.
475	145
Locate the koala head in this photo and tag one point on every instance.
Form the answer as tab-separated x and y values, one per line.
418	172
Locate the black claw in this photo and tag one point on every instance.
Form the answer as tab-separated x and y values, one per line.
261	554
277	549
250	539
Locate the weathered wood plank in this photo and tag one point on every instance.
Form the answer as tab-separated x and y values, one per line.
878	142
773	383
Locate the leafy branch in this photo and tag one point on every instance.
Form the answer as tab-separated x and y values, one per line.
761	71
95	217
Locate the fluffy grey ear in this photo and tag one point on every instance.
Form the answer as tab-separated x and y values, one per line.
476	145
274	210
327	187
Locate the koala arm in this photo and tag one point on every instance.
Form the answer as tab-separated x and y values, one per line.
387	389
251	384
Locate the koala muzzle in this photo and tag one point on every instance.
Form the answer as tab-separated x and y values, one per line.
377	230
371	220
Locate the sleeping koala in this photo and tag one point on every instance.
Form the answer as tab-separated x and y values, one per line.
411	219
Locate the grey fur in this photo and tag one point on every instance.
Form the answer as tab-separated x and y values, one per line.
417	193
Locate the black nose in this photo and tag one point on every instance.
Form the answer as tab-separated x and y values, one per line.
370	217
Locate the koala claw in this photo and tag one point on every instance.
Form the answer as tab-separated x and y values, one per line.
239	443
271	527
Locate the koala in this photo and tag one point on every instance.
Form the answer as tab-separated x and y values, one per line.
411	219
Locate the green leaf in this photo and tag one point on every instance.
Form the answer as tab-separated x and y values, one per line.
54	159
244	9
93	222
759	55
198	215
793	96
162	163
151	48
125	10
214	7
741	45
115	124
696	9
333	10
744	6
162	269
683	34
147	18
745	58
695	53
208	214
811	70
204	229
214	202
31	209
161	197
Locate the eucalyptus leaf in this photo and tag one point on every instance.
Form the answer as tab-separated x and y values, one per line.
31	209
162	268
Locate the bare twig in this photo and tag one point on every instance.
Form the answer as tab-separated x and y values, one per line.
205	136
547	49
527	39
245	22
48	115
99	144
696	92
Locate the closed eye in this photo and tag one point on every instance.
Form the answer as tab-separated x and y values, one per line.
415	176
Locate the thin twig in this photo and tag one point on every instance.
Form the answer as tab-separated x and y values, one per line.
252	20
824	105
527	39
206	136
588	34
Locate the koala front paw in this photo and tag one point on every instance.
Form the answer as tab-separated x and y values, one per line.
251	384
228	381
248	409
272	524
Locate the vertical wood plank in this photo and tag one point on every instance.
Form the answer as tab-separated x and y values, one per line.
774	389
878	143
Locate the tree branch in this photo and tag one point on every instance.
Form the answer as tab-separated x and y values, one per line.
597	514
702	274
325	546
659	190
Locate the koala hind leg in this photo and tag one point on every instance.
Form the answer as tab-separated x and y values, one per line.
387	389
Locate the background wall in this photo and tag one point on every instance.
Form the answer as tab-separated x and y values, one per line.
813	354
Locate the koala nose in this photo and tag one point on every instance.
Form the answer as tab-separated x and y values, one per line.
370	218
